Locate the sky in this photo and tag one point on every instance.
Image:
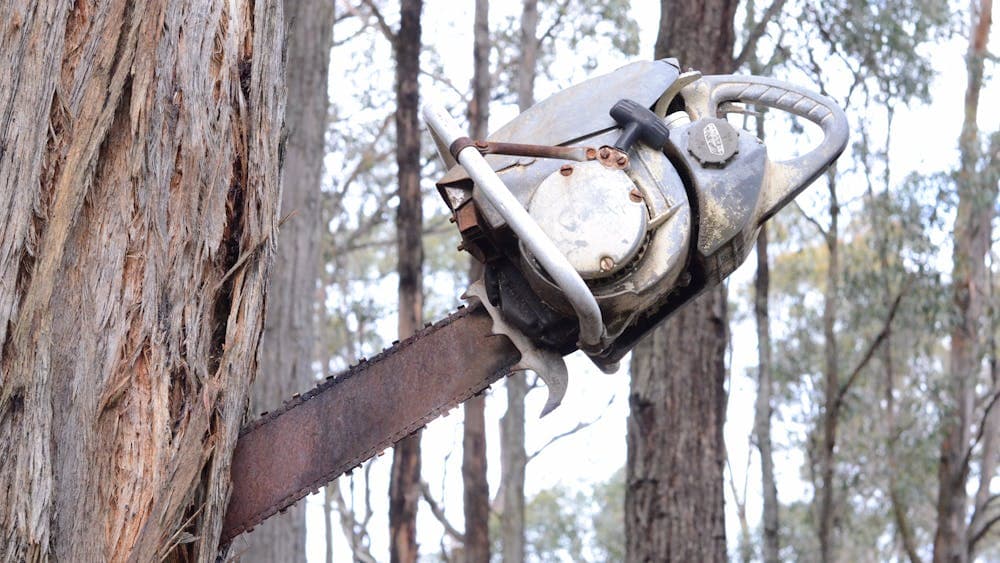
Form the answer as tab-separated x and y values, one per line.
591	456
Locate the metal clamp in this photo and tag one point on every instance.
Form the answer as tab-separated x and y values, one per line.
592	330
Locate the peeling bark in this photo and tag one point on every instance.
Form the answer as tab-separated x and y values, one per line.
139	189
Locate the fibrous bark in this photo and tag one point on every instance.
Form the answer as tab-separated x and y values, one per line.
674	477
290	318
139	190
404	488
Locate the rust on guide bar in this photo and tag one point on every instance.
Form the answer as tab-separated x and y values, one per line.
317	436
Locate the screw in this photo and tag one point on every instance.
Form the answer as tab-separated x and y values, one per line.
481	144
635	195
622	160
605	152
591	154
566	170
607	263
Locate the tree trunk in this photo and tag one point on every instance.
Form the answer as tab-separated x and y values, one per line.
476	487
290	320
404	488
513	459
139	175
831	378
765	390
674	495
976	202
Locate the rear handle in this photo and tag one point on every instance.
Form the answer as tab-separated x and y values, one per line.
783	180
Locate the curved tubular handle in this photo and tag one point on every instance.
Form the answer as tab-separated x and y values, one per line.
534	238
785	179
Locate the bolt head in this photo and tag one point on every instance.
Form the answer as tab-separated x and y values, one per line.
607	263
635	195
566	170
605	152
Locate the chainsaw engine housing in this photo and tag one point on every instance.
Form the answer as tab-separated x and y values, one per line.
650	231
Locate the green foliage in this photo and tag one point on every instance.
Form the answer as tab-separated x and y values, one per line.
583	526
881	43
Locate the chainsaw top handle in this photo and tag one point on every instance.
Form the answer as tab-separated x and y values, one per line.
783	180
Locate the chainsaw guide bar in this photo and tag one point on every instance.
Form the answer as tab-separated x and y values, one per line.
349	418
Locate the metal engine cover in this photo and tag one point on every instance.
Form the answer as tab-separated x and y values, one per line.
631	288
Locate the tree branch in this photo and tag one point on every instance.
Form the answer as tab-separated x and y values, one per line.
380	20
579	426
807	217
438	512
982	531
750	46
982	427
870	352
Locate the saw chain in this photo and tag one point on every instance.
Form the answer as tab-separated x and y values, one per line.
351	417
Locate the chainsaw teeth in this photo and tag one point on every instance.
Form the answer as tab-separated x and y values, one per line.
261	513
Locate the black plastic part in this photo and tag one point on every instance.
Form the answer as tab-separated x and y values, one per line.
507	289
638	124
712	141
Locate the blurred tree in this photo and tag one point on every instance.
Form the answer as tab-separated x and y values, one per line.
476	488
404	487
287	345
976	186
674	499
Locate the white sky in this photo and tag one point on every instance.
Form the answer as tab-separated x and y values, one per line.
924	140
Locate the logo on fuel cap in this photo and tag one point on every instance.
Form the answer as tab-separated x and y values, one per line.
712	141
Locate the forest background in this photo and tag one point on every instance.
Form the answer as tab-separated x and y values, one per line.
899	70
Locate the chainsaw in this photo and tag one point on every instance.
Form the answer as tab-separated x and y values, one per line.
597	213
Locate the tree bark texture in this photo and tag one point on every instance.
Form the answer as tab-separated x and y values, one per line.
404	487
476	488
139	186
290	318
765	391
674	476
976	204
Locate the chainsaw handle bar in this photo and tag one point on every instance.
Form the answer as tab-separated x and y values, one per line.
584	303
785	179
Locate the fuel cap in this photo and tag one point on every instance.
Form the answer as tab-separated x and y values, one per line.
712	141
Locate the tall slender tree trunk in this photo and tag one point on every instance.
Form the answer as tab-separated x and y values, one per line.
404	488
765	391
676	455
513	459
287	344
139	185
831	379
476	487
976	204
